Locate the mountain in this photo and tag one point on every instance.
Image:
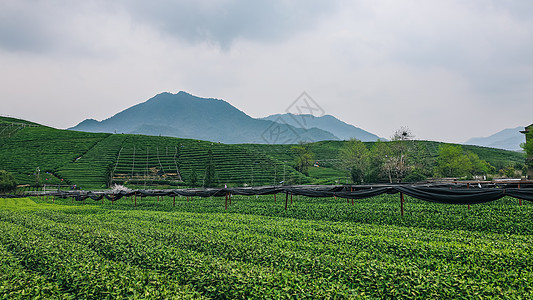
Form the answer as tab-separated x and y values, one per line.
340	129
186	116
508	139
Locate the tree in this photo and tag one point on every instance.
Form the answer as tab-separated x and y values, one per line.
454	162
7	182
381	167
528	148
304	158
401	145
193	180
355	156
479	166
209	170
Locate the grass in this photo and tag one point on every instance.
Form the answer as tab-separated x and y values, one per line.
318	248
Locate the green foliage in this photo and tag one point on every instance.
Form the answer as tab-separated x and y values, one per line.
453	161
193	179
355	157
7	182
318	248
93	160
304	158
210	180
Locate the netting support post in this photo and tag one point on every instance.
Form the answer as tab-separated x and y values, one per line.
519	200
286	199
468	187
174	201
401	202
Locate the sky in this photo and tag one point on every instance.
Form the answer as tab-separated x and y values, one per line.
448	70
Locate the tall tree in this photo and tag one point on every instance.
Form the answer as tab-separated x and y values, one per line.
193	180
209	170
401	144
304	158
452	162
355	158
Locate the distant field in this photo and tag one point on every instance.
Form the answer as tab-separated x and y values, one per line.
95	160
318	248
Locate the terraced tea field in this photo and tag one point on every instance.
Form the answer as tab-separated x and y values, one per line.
318	248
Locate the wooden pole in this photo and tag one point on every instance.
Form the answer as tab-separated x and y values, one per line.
226	207
135	200
174	201
229	196
352	201
401	202
291	198
468	187
275	198
519	200
286	199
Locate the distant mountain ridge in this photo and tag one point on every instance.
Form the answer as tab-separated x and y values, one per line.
507	139
340	129
186	116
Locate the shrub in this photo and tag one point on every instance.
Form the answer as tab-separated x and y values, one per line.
7	182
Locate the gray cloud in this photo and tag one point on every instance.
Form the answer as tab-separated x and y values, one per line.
38	26
222	22
436	66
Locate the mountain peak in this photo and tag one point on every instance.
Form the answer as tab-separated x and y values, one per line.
329	123
188	116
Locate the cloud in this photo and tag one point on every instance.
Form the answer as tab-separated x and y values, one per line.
224	21
448	69
60	25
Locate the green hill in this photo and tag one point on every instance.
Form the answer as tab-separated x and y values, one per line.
186	116
94	160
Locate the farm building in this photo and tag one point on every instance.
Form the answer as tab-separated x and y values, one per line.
529	158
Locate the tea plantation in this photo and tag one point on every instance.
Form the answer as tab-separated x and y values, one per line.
318	248
43	155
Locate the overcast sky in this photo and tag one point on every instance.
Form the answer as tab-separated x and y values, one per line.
447	69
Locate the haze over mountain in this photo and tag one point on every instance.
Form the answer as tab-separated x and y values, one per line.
508	139
187	116
328	123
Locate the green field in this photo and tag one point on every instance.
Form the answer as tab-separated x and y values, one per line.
34	153
318	248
